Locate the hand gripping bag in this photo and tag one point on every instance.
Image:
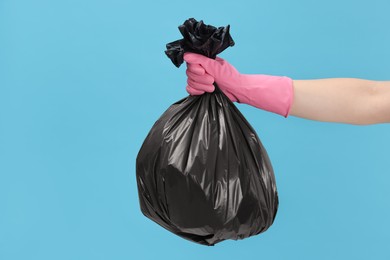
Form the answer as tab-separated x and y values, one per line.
202	171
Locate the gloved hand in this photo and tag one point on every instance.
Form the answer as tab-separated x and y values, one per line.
267	92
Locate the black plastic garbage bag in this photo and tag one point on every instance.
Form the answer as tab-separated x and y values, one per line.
202	171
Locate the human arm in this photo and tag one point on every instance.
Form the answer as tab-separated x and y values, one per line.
343	100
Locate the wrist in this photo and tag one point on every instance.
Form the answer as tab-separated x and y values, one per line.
267	92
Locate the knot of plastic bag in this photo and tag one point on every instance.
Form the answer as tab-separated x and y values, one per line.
199	38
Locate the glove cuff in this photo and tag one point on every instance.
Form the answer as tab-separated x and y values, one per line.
271	93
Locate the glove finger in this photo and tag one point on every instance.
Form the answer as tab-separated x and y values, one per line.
200	86
196	69
206	79
193	91
210	65
191	57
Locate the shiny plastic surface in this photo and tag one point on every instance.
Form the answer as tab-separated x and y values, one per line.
199	38
203	173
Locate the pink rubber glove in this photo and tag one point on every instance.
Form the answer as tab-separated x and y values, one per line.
267	92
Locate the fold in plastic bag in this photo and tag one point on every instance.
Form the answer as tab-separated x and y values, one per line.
202	171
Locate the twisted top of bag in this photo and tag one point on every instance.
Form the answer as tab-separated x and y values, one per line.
199	38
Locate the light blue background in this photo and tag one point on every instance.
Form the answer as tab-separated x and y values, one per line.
82	82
